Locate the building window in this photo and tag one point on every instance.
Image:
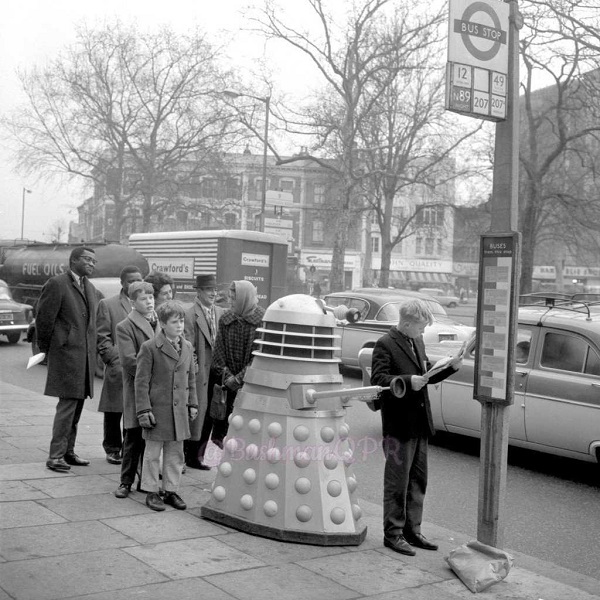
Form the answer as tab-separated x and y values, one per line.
429	246
375	244
286	185
419	246
431	215
230	220
319	196
317	231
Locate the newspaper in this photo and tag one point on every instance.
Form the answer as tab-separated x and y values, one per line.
35	360
443	363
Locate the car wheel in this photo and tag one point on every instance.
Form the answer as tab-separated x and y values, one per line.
13	337
452	305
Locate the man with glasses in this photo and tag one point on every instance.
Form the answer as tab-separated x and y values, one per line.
66	332
201	322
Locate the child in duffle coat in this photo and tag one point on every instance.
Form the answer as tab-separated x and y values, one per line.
165	397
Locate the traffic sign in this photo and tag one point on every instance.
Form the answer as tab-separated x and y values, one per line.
478	34
279	198
477	68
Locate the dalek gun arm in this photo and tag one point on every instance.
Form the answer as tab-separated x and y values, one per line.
342	312
361	394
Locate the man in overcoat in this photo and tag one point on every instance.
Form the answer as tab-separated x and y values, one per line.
66	332
110	312
201	322
407	425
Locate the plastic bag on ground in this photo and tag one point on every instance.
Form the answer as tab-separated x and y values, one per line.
479	566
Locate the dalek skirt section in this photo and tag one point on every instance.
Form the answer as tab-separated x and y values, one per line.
286	471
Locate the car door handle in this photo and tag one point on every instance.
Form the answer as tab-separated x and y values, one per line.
522	373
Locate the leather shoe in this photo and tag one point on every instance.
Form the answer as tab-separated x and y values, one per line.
123	490
400	545
420	541
174	500
196	464
154	501
73	459
114	458
57	464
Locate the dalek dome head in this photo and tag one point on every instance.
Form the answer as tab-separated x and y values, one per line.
298	327
301	309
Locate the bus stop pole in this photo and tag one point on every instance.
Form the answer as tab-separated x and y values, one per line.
504	212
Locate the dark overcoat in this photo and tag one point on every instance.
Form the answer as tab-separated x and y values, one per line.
66	331
132	332
197	331
410	416
165	383
111	311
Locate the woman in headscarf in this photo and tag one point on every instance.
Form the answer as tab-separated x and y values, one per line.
234	345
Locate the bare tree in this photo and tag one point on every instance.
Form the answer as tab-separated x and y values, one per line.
134	113
410	145
559	202
354	55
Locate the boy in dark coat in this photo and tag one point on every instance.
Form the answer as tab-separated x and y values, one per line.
165	401
138	327
407	426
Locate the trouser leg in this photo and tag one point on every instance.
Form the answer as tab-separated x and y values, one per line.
207	425
172	465
151	466
64	428
113	440
133	449
417	486
220	427
398	461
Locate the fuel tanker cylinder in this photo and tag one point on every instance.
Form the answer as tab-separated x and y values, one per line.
286	471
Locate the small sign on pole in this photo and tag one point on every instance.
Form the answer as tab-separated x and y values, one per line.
477	67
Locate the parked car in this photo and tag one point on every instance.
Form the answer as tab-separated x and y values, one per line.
441	296
14	316
378	309
557	383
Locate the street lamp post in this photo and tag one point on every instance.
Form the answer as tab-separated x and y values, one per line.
25	191
267	101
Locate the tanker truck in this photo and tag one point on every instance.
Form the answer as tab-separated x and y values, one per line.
27	268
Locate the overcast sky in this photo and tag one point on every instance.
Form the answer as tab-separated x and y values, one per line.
32	31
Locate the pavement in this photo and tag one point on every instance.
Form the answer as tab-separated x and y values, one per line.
67	536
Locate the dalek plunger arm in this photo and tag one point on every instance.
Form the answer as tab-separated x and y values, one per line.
362	394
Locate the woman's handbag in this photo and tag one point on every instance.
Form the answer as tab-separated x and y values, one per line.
218	403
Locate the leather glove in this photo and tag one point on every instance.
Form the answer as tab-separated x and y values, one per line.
147	420
192	412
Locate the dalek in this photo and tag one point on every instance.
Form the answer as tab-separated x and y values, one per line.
286	471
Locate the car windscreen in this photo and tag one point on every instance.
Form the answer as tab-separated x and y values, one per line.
391	310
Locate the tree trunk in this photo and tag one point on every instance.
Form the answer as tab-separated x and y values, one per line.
336	275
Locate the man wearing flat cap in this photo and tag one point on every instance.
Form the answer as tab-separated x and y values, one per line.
201	322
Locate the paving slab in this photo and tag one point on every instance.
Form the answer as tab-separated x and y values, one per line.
26	513
155	528
82	485
26	471
65	538
182	589
521	584
274	552
19	490
194	558
369	572
289	582
89	508
60	577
